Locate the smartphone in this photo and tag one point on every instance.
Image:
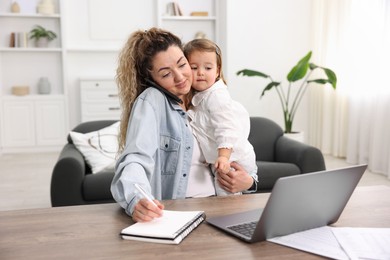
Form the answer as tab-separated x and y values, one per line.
163	90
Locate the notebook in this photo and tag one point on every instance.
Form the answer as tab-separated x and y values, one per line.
296	203
171	228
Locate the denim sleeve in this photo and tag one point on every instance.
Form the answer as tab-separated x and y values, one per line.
137	162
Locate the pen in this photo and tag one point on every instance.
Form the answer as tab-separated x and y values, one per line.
144	194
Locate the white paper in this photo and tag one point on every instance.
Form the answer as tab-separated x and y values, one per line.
320	241
364	243
341	243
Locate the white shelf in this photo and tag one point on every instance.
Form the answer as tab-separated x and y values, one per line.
17	49
189	18
33	97
92	49
21	15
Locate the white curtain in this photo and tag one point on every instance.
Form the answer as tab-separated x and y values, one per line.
352	37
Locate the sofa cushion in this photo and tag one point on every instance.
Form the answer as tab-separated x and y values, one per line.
99	148
269	172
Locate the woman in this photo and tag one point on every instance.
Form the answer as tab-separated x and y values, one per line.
157	145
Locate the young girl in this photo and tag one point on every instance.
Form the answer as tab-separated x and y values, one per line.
220	124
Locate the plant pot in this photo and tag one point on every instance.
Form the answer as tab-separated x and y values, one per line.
42	43
297	136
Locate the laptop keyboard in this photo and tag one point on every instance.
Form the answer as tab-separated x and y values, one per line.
245	229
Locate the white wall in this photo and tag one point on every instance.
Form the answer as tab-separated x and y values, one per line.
95	31
268	36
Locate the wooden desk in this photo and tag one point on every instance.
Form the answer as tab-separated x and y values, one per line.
92	232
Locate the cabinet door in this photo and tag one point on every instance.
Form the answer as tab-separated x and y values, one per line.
50	122
19	127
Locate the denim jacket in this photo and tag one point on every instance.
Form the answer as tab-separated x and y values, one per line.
157	154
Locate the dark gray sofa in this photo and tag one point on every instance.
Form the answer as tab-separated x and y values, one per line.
277	156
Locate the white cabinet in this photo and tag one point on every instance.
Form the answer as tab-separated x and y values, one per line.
29	122
187	25
99	100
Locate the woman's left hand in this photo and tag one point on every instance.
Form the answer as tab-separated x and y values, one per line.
237	180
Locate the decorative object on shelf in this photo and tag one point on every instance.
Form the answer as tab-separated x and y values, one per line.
200	13
15	8
200	35
303	69
42	36
20	90
18	39
46	7
22	40
12	40
44	86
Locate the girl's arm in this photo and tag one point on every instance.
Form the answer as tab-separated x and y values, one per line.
222	165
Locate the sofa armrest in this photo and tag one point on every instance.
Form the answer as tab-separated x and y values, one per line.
67	178
306	157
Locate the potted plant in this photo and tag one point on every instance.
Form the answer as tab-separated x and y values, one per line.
42	36
289	101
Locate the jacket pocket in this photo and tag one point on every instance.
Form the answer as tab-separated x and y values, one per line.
169	150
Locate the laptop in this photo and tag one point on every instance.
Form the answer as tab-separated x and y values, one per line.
296	203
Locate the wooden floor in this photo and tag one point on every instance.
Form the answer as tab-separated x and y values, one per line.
25	179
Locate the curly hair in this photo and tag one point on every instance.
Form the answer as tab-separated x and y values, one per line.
134	69
205	45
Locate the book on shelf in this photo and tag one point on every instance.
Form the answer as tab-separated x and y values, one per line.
173	9
171	228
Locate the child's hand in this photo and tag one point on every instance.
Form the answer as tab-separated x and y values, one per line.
222	165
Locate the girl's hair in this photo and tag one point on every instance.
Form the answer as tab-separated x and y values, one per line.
134	69
207	46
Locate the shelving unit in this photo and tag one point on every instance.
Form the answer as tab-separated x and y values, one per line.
186	26
33	121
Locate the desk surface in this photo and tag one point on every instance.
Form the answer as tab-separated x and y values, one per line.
92	232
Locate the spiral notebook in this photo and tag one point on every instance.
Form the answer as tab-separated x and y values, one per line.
171	228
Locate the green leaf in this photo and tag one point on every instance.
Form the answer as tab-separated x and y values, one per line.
299	70
319	81
269	87
313	66
252	73
331	77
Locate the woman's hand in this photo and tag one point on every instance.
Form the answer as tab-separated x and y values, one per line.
236	180
145	211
